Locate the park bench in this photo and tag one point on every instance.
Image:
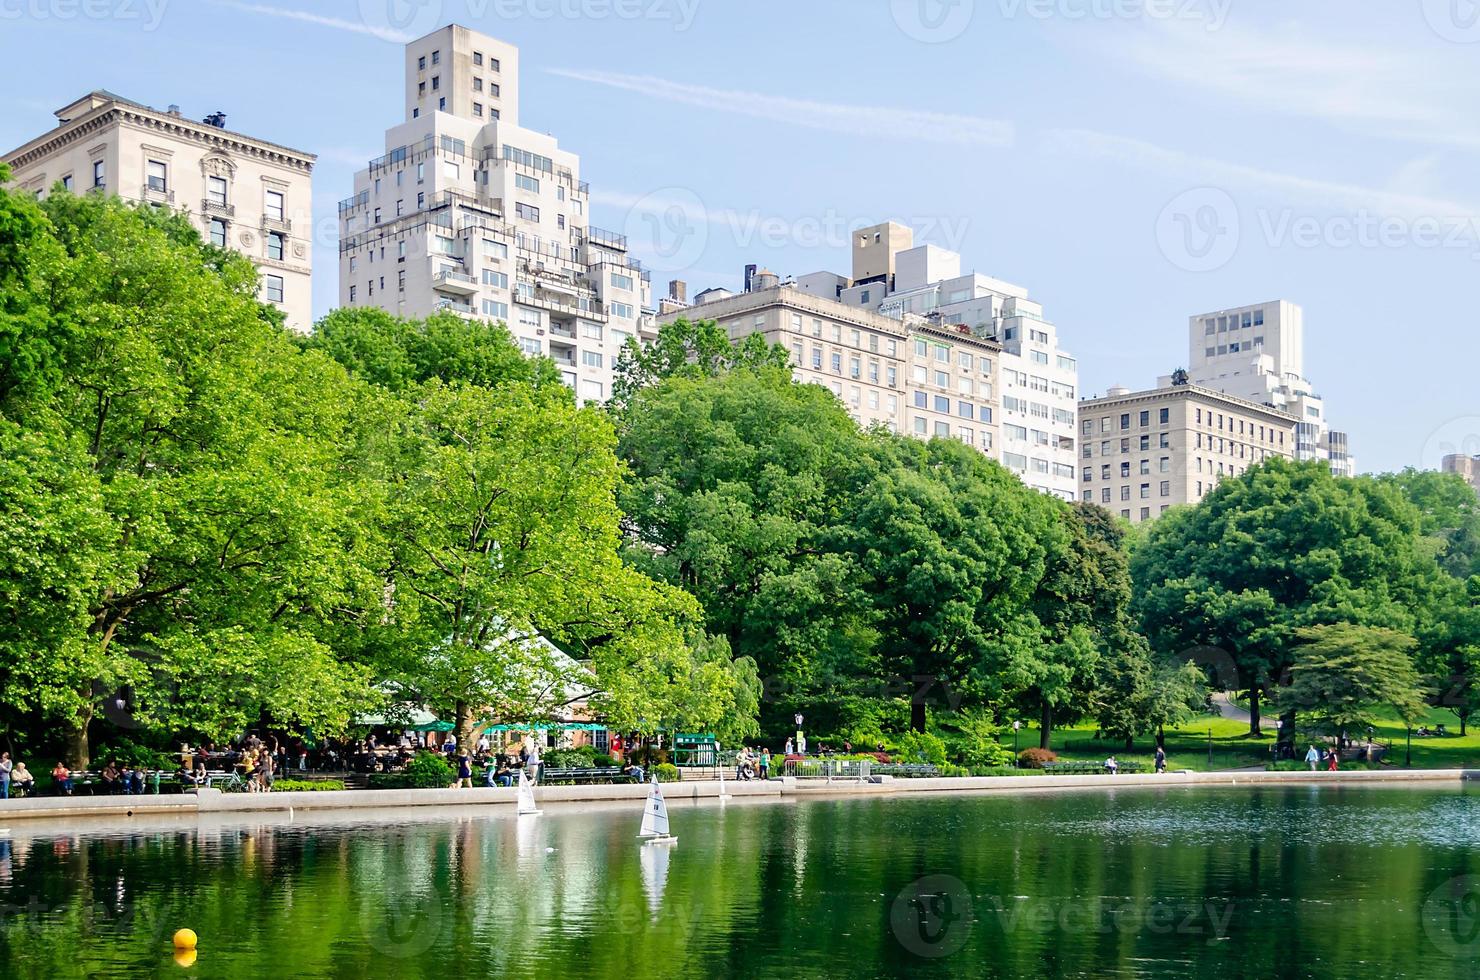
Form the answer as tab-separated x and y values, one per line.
910	770
591	774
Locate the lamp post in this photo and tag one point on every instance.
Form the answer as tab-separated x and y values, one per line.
801	739
1016	726
1279	725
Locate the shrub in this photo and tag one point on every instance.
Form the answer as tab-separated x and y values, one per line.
948	769
995	771
1035	758
427	770
603	761
667	772
132	754
306	785
921	747
577	758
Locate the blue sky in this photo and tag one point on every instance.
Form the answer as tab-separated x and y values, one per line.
1130	161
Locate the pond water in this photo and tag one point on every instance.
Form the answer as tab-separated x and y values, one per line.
1318	882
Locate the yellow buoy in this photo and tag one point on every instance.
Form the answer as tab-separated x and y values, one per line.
185	939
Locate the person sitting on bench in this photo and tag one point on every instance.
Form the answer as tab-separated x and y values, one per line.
1111	766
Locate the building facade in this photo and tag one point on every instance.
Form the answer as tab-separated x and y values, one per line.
1257	353
921	379
1145	451
241	192
469	212
1035	382
1466	466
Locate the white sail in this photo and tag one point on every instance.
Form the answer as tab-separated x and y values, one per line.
526	794
654	814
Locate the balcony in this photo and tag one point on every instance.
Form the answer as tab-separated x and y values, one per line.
217	209
155	191
282	225
609	239
453	306
452	281
589	309
563	330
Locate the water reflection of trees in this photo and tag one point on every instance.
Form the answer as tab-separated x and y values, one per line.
773	888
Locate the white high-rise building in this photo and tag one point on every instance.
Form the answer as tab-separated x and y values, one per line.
1257	352
1039	381
467	211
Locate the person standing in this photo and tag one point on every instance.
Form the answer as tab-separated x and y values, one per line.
536	767
1312	758
1333	762
765	763
5	767
464	772
790	748
265	770
1161	759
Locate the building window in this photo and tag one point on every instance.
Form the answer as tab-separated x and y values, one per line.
216	190
1165	416
274	288
218	233
421	63
477	108
1166	488
275	245
158	176
436	83
436	57
442	104
275	205
591	358
526	212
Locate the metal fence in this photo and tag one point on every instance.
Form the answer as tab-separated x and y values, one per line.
828	769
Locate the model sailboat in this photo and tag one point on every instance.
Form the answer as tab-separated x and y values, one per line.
655	818
527	805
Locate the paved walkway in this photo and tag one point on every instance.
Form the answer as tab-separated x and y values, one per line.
1225	706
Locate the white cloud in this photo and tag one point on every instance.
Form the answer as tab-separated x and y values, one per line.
851	120
335	23
1387	91
1291	189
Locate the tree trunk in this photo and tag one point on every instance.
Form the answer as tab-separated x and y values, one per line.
917	714
1130	744
77	752
463	715
1285	748
1161	736
1045	726
1254	711
1464	716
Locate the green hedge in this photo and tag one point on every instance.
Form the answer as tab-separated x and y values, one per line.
306	785
427	771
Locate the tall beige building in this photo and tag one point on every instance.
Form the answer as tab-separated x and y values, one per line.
242	192
469	212
1145	451
1466	466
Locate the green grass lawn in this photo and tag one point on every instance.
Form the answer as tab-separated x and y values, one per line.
1187	745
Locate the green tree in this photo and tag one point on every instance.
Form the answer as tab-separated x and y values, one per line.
951	547
696	349
504	532
1279	547
214	447
738	483
1343	674
396	353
